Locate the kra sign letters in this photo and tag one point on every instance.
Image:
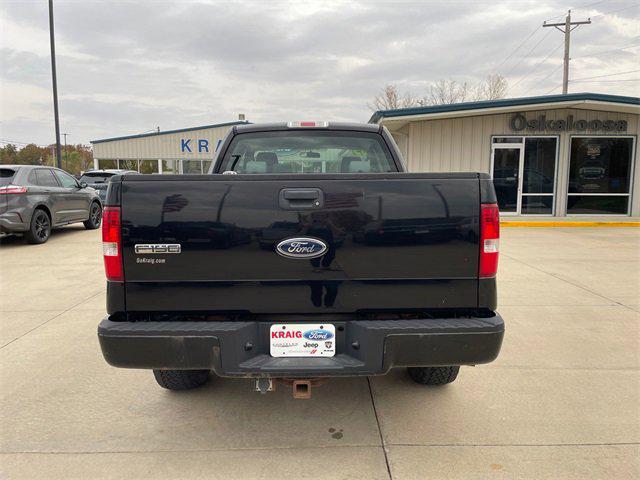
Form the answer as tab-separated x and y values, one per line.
189	145
519	123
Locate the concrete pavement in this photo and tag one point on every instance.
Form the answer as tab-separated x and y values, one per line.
562	400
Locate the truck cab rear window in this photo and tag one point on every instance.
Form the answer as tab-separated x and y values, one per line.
308	152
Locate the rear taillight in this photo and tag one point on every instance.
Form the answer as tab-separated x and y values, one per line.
112	244
489	240
12	189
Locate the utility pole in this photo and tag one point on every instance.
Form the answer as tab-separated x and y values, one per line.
55	84
569	26
65	148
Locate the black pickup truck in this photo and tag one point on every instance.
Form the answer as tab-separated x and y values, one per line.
308	253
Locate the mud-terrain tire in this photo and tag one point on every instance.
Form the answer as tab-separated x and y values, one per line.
433	375
181	379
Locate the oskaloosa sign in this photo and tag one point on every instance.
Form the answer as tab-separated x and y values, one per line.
519	123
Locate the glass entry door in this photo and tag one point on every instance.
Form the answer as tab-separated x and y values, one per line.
507	176
524	174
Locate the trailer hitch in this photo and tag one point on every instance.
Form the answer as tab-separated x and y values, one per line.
300	387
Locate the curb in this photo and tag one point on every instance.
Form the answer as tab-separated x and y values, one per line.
568	224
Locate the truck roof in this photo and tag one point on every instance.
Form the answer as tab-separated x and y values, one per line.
269	127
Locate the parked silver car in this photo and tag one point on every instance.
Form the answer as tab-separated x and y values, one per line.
34	199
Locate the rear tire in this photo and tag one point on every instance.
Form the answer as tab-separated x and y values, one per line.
95	217
181	379
40	227
433	375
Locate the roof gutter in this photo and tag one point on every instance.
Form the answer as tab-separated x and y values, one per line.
504	105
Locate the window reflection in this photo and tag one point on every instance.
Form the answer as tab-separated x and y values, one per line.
539	165
107	164
148	166
169	166
192	166
599	175
600	165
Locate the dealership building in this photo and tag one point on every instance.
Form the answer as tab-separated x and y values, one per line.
186	150
559	155
549	156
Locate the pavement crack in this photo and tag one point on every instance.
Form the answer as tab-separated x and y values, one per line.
52	318
382	442
570	282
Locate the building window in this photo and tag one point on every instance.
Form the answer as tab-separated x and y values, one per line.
169	166
107	164
507	139
191	166
600	175
148	166
128	164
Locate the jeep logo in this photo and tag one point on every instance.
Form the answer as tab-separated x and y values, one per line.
147	248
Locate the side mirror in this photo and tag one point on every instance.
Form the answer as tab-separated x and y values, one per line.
83	185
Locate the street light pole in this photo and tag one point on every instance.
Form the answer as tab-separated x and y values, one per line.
55	84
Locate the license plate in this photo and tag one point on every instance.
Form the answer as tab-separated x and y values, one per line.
302	340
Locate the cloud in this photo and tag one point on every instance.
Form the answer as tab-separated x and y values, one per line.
126	67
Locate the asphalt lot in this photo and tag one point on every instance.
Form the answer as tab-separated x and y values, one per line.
562	400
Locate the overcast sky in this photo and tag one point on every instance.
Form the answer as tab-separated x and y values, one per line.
128	67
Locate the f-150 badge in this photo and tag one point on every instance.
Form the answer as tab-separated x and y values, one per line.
147	248
301	248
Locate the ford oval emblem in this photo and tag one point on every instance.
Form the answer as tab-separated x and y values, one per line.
317	334
301	247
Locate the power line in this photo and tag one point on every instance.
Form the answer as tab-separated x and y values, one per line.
584	7
527	54
608	75
14	142
537	65
602	52
608	81
552	72
547	93
614	11
517	48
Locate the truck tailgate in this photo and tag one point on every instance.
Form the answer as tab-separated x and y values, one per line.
395	242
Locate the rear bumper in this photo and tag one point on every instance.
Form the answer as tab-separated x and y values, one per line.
241	349
11	222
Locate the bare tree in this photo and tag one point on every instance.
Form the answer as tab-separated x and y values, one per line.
492	88
387	99
390	98
447	91
441	92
